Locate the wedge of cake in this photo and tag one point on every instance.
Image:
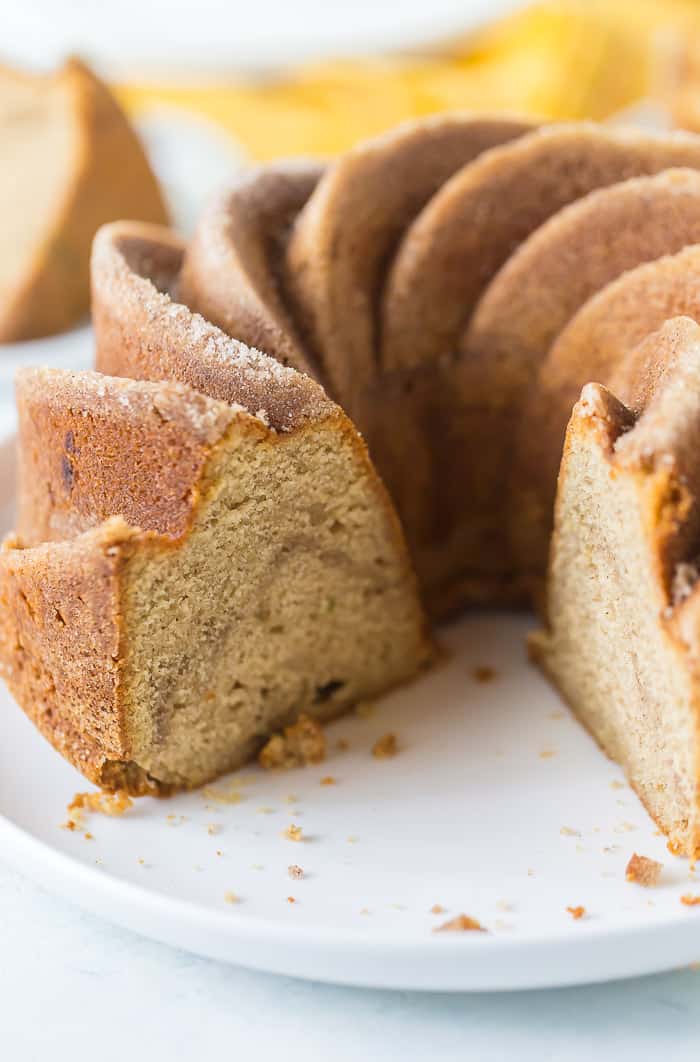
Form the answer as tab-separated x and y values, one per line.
187	578
70	162
622	635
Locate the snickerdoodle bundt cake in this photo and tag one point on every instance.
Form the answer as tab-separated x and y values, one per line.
452	286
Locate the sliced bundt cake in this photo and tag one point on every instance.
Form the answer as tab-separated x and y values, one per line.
191	573
621	640
404	290
71	162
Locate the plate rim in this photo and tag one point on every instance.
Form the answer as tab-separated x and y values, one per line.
553	954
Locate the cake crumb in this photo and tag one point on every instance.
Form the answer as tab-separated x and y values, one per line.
291	899
461	924
299	744
689	900
212	828
365	709
103	803
437	908
293	833
615	784
219	852
568	831
483	674
231	897
643	871
352	839
88	836
295	872
577	912
328	779
385	747
546	754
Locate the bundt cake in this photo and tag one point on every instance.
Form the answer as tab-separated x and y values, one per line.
452	286
623	595
396	284
71	162
192	568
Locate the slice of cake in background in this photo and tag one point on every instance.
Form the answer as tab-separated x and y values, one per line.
71	162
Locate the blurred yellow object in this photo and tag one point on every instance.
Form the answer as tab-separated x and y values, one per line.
567	59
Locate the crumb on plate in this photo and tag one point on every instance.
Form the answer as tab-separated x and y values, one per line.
577	912
301	743
104	803
295	872
385	747
461	924
293	833
690	900
643	871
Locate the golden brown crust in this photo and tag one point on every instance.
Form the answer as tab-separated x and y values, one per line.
340	242
475	221
141	332
93	446
111	179
231	270
541	286
60	642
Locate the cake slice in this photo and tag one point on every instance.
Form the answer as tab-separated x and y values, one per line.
622	635
186	579
71	161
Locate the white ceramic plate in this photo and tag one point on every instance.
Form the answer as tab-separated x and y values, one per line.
498	806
